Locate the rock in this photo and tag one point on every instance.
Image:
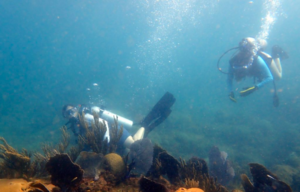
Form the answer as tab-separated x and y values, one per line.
114	167
90	162
64	173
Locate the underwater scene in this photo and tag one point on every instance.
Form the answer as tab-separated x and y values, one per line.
150	95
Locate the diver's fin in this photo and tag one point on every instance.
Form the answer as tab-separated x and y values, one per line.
159	112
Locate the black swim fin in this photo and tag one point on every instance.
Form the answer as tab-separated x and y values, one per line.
159	113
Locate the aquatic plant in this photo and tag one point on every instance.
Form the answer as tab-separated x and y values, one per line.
263	180
219	166
74	151
164	164
14	164
195	173
95	133
141	152
189	190
195	168
209	184
115	135
65	140
191	183
64	173
37	168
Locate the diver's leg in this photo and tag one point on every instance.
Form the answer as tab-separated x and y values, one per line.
278	65
127	139
139	134
128	142
276	69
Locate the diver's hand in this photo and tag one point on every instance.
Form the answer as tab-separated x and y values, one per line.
278	52
231	97
247	91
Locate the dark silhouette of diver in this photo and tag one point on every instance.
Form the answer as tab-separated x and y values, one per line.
156	116
251	61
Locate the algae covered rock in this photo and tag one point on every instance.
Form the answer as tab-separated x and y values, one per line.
90	163
114	167
64	173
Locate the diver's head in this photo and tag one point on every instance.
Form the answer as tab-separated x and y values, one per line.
247	45
262	44
69	111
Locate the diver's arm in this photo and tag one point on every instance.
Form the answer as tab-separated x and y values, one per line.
264	72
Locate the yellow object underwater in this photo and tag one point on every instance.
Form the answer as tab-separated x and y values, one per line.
247	91
189	190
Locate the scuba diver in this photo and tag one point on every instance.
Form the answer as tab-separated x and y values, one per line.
253	62
156	116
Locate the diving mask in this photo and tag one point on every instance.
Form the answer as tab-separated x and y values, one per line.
71	113
250	46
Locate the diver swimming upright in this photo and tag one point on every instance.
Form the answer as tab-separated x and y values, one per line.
251	61
155	117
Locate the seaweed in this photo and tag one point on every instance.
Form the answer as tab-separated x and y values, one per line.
195	168
164	164
37	167
209	184
94	134
64	173
115	135
141	152
191	183
74	151
156	168
263	180
170	166
65	140
93	137
219	166
14	164
195	173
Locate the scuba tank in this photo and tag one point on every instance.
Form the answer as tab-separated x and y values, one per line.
109	116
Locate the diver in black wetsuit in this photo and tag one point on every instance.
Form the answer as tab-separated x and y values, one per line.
157	115
252	61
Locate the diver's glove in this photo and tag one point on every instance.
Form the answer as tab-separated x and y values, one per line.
231	97
278	52
247	91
